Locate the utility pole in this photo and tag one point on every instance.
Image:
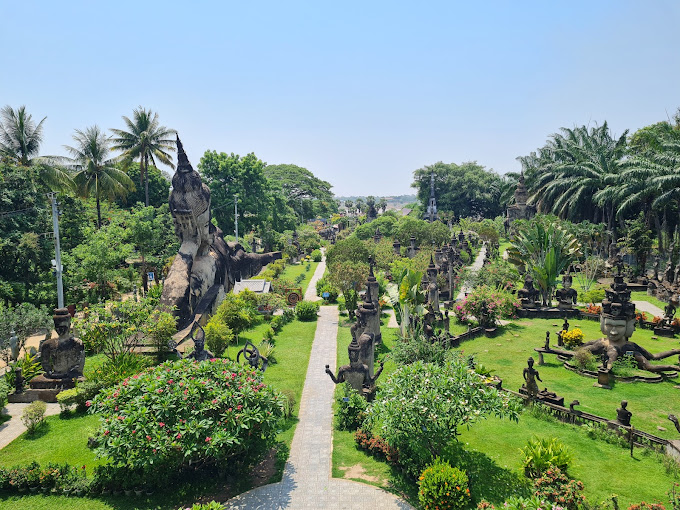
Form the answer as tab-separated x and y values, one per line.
58	268
236	216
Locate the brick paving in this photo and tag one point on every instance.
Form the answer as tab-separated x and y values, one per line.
307	482
476	266
310	293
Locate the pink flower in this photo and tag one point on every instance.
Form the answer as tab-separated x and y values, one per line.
88	403
148	438
179	435
208	439
161	424
214	401
106	432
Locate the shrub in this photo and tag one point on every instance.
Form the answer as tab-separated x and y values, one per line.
323	285
376	446
205	412
591	308
351	411
573	338
584	360
443	487
289	402
556	487
306	310
487	304
592	296
647	506
316	255
212	505
34	416
162	325
267	350
29	365
269	333
4	391
418	409
113	371
217	336
625	366
541	454
67	399
238	311
520	503
417	347
277	323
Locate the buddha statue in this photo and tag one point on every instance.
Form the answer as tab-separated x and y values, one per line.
528	295
566	296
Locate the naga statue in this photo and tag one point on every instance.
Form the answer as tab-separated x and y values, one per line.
206	266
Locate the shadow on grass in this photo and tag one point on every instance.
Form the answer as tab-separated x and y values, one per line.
487	479
39	431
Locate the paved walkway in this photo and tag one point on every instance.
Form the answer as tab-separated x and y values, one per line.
476	266
310	293
13	428
649	308
392	321
307	482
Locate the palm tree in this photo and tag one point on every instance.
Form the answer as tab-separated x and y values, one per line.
95	173
20	140
572	167
146	140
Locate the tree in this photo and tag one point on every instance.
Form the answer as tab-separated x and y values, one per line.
349	206
306	193
638	240
20	140
544	251
421	406
468	189
228	175
567	173
382	205
96	173
159	186
146	140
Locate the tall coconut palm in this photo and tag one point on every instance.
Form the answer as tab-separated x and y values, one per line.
20	139
94	171
146	140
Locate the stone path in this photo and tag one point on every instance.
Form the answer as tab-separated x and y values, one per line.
392	321
307	482
13	428
310	293
476	266
649	308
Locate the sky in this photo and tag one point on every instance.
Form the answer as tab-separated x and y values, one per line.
361	93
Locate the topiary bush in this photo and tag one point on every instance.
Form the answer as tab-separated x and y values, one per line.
306	310
443	487
184	412
316	255
542	454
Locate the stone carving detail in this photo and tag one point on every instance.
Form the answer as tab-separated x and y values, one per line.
206	266
357	374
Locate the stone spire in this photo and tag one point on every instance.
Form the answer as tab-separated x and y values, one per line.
431	213
521	193
183	165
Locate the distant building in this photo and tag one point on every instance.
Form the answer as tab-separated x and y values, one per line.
256	286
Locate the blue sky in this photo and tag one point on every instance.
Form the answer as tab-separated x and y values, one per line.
360	93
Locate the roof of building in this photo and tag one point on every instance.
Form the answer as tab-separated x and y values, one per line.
257	286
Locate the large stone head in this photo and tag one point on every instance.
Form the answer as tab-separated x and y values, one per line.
617	329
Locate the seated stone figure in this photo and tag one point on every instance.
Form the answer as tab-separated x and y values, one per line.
528	295
357	374
62	357
617	323
206	266
566	296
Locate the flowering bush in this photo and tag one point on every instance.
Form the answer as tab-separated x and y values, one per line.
556	487
487	305
656	319
419	408
186	411
647	506
591	308
573	338
376	445
641	316
443	487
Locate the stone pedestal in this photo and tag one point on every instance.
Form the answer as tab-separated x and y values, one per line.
43	388
603	379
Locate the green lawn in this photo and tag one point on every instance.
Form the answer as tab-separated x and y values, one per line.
643	296
65	439
292	271
491	451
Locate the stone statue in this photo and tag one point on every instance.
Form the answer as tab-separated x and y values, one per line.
62	357
206	266
617	323
356	373
432	289
656	267
668	273
199	353
528	294
530	375
670	309
566	296
14	345
623	415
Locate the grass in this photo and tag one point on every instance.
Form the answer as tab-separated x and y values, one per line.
65	439
292	271
495	464
489	451
643	296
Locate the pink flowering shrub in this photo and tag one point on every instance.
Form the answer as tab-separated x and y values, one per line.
185	412
487	305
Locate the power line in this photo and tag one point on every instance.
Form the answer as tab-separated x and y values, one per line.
17	211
